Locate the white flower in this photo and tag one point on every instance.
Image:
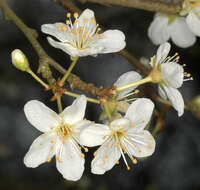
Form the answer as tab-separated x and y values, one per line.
164	27
193	18
60	137
120	104
123	136
83	38
172	77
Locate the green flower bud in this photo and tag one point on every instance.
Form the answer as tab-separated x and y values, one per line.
19	60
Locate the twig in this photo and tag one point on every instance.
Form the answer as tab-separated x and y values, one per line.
148	5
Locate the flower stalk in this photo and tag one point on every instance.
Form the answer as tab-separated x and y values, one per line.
92	100
107	110
62	82
143	81
59	103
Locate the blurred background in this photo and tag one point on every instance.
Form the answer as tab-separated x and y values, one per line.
175	165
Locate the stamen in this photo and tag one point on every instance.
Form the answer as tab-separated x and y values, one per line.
68	15
95	153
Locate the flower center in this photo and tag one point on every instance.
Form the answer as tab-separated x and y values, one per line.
64	131
82	35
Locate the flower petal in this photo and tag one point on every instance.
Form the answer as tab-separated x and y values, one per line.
139	144
67	48
162	52
158	30
193	21
121	124
162	92
94	135
106	157
181	34
112	41
176	99
41	150
70	160
172	74
75	113
87	19
127	78
139	113
40	116
52	29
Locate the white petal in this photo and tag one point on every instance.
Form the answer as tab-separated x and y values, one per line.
87	15
193	21
106	157
176	99
181	34
139	144
75	113
127	78
139	112
70	160
40	151
158	30
66	47
94	135
121	124
173	74
162	92
40	116
113	41
52	29
162	52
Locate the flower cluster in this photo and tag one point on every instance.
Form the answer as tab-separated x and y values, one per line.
181	29
123	132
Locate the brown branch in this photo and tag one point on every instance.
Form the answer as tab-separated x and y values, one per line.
148	5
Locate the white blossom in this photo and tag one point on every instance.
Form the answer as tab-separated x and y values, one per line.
172	75
164	27
60	137
83	37
123	136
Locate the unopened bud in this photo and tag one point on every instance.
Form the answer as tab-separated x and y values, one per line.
19	60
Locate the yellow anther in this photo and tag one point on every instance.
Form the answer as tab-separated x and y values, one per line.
184	65
139	151
134	145
188	75
142	121
104	162
128	168
51	141
90	39
51	147
93	122
67	22
49	159
85	118
95	153
43	134
85	20
134	161
137	91
97	35
41	144
68	15
102	37
106	156
176	53
65	28
117	162
106	145
149	146
191	78
75	15
86	149
150	138
93	20
142	133
51	127
82	155
80	147
54	114
76	21
133	125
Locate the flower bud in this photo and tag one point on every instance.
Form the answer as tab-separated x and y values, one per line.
19	60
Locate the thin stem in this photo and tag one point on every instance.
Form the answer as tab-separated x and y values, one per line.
107	110
37	78
59	103
62	82
145	80
77	95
